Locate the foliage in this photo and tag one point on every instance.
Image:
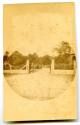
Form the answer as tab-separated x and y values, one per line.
64	60
46	60
17	59
64	48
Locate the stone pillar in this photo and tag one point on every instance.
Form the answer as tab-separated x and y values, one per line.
27	65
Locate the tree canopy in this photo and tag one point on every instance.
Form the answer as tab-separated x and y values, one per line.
64	48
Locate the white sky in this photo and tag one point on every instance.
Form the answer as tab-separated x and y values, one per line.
39	32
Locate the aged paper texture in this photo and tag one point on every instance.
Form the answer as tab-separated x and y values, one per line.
39	62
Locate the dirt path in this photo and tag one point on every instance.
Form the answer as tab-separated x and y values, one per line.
40	84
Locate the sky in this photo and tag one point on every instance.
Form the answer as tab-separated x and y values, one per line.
37	28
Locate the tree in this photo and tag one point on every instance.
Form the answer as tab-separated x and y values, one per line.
33	58
64	59
17	60
46	60
64	48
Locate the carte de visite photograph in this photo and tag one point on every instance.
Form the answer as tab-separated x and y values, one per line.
39	62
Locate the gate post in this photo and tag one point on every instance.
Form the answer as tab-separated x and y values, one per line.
27	65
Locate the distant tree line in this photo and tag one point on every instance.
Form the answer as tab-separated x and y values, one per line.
17	60
64	59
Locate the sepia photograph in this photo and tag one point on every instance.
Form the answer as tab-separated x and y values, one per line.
39	62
